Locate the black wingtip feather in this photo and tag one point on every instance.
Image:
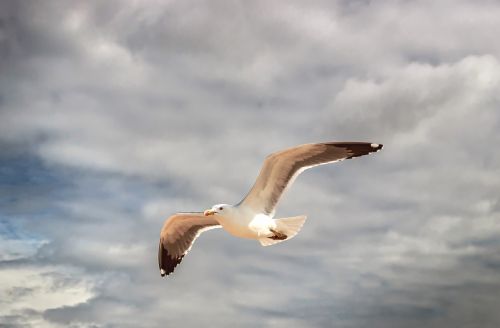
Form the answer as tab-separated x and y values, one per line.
166	262
359	148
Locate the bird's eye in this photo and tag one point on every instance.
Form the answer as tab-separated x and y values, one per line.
221	208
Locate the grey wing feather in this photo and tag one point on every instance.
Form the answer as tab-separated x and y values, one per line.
177	237
280	169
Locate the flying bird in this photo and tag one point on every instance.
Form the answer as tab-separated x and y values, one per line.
252	217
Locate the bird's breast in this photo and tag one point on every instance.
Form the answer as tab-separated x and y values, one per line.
247	226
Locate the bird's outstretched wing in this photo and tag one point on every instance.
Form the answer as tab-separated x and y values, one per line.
178	235
280	169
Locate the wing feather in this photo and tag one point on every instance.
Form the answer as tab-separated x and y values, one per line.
177	237
281	168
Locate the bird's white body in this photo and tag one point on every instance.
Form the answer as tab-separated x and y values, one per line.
243	222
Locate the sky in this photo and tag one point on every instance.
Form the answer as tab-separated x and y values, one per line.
116	114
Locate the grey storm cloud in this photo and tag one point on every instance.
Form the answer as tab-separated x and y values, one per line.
116	114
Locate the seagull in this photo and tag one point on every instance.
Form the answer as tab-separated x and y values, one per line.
252	217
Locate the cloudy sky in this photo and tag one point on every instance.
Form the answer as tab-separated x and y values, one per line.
116	114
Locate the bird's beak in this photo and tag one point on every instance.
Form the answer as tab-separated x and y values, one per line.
209	212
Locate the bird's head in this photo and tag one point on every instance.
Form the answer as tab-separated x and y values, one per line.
219	209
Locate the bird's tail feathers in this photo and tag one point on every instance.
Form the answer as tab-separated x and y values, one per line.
288	226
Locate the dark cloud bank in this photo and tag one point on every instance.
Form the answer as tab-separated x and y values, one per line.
115	114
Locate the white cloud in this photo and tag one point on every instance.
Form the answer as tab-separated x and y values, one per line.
30	290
